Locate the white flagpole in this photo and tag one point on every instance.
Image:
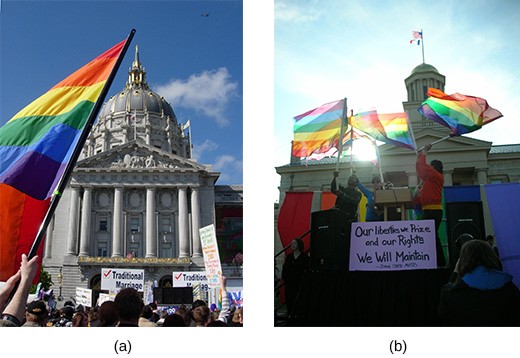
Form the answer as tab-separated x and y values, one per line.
341	132
422	45
351	149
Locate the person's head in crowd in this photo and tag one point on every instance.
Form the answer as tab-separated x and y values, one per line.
174	320
129	306
36	313
198	303
477	253
147	312
201	316
69	304
185	314
353	181
67	312
437	165
80	319
217	323
297	245
376	183
108	316
93	317
238	317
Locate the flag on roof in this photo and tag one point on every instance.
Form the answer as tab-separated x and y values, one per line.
391	128
318	130
417	36
35	148
460	113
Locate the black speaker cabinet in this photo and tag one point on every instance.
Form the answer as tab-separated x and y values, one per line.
463	218
330	235
173	295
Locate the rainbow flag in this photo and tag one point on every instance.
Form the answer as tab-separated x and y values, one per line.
318	130
35	147
391	128
460	113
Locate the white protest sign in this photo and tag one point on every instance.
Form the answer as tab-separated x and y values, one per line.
208	240
103	297
84	296
190	279
392	245
115	279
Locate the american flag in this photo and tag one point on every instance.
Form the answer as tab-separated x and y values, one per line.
417	36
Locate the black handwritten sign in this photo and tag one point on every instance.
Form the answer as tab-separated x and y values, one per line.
392	245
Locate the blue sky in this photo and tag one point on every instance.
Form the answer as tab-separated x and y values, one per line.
194	62
326	51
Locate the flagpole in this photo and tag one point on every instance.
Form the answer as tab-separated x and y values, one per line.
434	142
409	124
422	45
380	166
351	149
77	151
341	131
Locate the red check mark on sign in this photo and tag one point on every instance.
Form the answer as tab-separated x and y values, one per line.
179	276
107	273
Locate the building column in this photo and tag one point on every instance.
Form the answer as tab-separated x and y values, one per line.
48	239
448	177
151	239
117	236
482	176
86	214
195	222
184	240
412	180
72	241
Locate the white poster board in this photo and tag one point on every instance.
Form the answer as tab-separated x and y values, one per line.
208	240
84	296
392	245
103	297
115	279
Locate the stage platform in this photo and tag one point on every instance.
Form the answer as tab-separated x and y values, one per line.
370	299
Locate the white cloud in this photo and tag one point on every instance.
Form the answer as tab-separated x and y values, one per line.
200	149
291	13
230	168
208	92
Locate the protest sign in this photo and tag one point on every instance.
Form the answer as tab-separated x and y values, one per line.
103	297
115	279
211	256
84	296
392	245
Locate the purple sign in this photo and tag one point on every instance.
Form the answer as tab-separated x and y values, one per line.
392	245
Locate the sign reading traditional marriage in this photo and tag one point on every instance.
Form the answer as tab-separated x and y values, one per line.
115	279
208	239
392	245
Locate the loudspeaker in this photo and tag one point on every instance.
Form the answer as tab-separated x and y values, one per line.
173	295
463	218
330	238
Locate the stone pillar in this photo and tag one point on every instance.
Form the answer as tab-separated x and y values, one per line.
184	242
86	215
48	239
482	176
448	177
72	241
195	222
412	180
151	239
117	236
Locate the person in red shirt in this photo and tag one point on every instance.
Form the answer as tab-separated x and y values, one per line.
431	195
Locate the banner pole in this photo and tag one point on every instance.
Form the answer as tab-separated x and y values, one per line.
341	132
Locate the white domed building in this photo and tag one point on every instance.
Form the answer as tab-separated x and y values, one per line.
136	199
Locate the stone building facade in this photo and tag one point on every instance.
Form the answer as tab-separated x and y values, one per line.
136	198
466	161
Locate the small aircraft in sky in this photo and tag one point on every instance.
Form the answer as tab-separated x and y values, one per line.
205	14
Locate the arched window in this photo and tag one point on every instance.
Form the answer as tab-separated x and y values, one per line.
166	281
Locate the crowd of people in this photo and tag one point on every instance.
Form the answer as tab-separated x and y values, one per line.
127	309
